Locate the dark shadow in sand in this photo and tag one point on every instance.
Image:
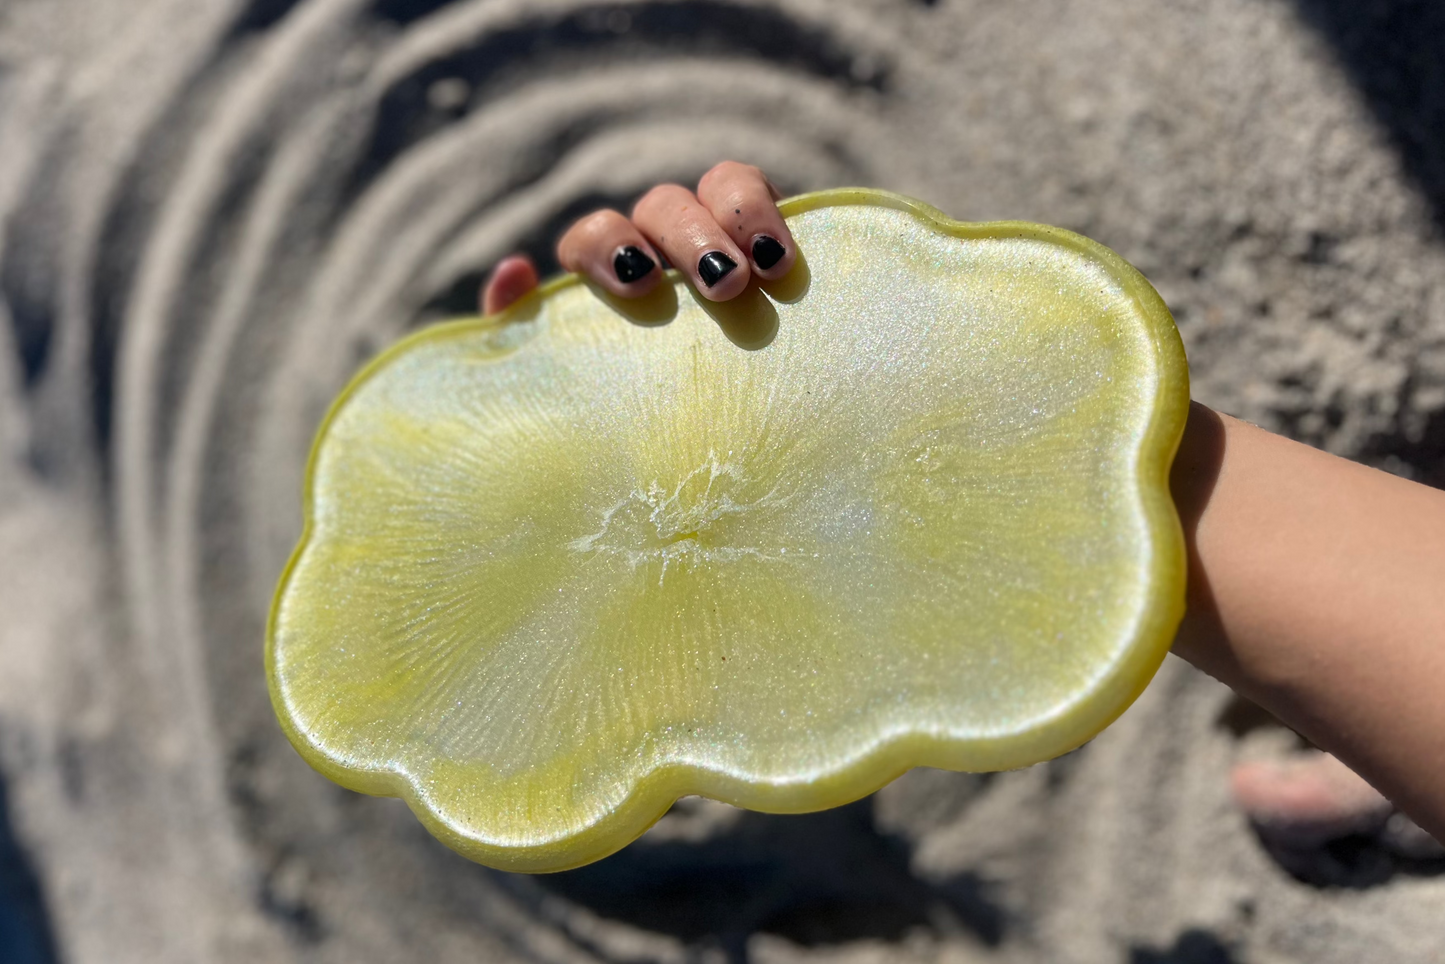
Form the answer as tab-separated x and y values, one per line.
550	43
814	879
25	932
1394	52
1194	946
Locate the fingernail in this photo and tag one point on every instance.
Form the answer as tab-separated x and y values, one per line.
715	266
632	263
767	251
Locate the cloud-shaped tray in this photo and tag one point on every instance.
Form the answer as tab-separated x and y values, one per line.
907	507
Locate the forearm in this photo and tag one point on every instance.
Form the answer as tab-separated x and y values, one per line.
1317	589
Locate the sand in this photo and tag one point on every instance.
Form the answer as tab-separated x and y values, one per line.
212	212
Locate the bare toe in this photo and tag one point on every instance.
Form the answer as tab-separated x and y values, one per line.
1307	800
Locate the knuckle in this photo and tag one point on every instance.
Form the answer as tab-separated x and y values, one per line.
657	196
736	186
725	169
714	173
591	225
723	173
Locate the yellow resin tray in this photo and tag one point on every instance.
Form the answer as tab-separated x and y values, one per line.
908	507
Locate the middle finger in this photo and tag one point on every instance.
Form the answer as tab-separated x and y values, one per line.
686	233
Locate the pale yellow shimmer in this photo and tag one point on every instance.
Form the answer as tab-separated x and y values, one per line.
564	566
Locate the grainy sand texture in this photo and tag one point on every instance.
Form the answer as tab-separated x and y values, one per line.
212	212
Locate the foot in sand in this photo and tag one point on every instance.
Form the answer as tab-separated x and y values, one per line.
1324	823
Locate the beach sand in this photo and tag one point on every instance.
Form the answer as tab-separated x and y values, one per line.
213	212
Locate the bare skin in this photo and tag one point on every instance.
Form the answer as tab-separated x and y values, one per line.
1315	589
1316	585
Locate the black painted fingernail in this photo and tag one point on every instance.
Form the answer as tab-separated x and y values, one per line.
632	263
715	266
767	251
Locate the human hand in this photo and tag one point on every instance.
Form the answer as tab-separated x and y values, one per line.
704	234
1312	581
